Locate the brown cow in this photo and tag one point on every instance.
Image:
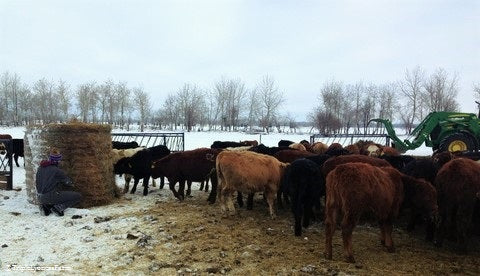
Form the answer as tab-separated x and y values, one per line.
191	165
331	163
458	185
353	188
319	148
298	146
288	156
247	172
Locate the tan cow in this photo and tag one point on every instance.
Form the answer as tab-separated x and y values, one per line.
247	172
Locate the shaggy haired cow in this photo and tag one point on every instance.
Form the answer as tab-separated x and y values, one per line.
458	185
319	148
354	188
247	172
298	146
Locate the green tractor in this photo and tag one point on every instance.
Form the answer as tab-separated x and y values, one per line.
443	131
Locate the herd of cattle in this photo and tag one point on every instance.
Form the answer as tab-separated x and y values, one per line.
443	190
321	182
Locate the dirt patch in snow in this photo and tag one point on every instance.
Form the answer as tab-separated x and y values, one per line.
191	237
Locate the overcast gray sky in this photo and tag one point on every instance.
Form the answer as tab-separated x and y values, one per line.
160	45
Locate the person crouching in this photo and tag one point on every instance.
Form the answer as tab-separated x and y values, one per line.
49	179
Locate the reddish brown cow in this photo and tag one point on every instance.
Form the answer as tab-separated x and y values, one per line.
353	149
353	188
389	151
458	185
247	172
331	163
191	165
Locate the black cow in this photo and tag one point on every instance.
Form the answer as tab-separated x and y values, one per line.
139	166
284	143
18	151
124	145
304	184
227	144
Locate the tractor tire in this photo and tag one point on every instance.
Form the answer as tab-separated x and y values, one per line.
457	142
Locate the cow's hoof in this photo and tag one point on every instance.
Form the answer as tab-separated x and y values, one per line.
327	256
390	249
350	259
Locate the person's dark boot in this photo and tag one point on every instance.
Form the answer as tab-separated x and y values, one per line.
57	211
45	209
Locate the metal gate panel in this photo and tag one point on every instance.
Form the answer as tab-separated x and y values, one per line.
6	169
173	141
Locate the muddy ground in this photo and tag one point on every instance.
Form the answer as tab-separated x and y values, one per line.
191	237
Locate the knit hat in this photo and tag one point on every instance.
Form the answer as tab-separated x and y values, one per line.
55	156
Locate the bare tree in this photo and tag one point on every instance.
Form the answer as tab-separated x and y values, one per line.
105	96
122	94
190	98
411	88
45	101
64	98
143	106
440	92
253	108
270	99
171	109
83	100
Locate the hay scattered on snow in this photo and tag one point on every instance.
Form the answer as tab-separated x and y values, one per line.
87	157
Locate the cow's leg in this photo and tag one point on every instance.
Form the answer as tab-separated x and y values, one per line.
250	201
240	199
181	189
189	188
127	178
206	184
271	202
463	225
135	183
387	226
171	185
213	191
297	211
330	225
348	223
153	183
226	204
145	185
230	205
307	213
15	158
162	181
201	185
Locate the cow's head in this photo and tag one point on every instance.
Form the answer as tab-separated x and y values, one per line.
3	149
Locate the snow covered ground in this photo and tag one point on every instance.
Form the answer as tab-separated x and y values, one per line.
29	241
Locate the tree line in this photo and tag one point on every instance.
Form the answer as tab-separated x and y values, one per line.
229	105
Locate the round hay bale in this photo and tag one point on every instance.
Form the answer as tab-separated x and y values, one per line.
87	159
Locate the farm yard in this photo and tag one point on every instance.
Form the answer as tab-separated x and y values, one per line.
159	234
